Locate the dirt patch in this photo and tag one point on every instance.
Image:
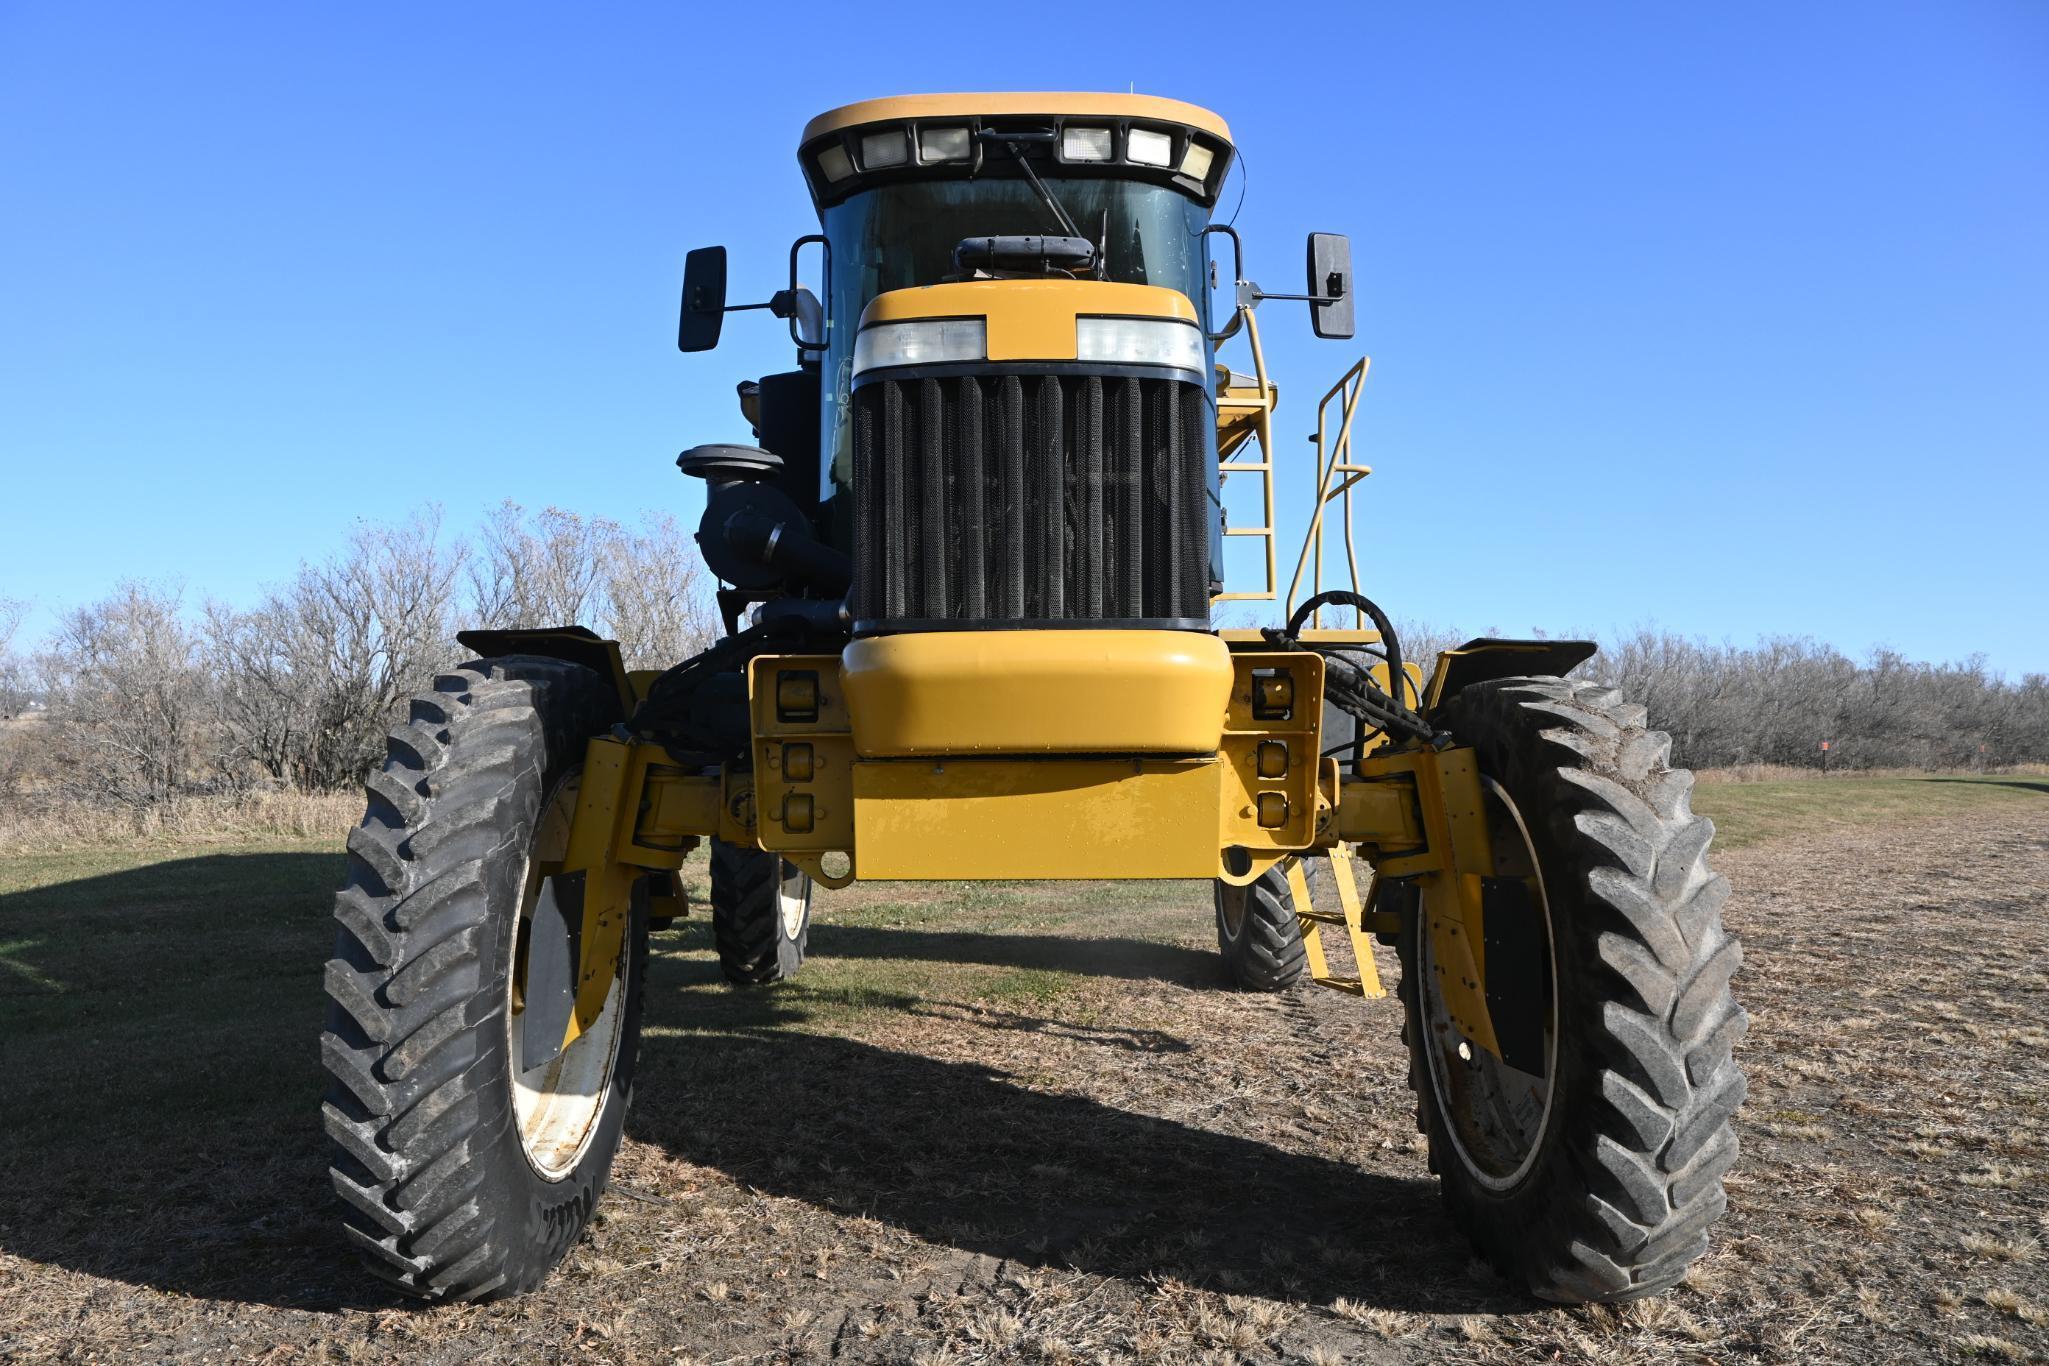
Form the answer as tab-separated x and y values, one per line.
1026	1123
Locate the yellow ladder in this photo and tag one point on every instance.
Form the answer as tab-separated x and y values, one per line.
1358	917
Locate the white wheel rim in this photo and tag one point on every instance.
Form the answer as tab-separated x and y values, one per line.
1231	908
1519	1100
790	900
556	1103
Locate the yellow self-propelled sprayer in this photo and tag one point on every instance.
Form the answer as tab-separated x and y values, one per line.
969	573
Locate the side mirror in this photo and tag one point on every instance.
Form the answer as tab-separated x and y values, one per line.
704	299
1330	285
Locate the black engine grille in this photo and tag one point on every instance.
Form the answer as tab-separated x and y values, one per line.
1030	498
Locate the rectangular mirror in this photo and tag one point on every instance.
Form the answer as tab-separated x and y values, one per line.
704	299
1330	284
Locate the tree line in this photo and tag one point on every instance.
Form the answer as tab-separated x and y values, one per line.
145	696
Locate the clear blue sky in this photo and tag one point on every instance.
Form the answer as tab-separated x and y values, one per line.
1730	317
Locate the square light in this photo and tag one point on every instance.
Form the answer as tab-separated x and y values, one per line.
1149	147
887	148
1085	144
945	144
834	163
1196	161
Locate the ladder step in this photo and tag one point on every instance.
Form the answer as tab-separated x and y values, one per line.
1322	917
1348	985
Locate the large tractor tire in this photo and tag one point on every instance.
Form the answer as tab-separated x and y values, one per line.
469	1146
1258	934
1586	1163
760	914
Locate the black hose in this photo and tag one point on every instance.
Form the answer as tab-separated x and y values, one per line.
1345	683
1388	637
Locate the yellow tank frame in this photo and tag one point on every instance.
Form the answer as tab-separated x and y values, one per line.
1266	797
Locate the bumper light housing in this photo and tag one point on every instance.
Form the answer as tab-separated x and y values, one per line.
935	341
1139	341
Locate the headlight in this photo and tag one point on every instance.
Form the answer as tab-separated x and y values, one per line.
1139	341
936	342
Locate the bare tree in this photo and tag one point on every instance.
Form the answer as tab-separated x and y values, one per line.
128	691
319	670
657	595
545	571
16	691
645	589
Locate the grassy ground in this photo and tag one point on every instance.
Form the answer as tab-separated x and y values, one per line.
1745	813
1021	1121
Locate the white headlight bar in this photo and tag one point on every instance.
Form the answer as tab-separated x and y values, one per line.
841	160
1139	341
1149	147
937	341
890	147
1081	143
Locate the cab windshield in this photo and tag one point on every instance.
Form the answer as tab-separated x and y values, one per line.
903	235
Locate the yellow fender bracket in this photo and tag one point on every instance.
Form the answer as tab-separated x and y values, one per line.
635	813
1456	854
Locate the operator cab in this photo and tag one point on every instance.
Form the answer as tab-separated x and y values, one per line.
927	190
1008	369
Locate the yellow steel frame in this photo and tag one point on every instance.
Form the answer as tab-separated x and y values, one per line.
1412	813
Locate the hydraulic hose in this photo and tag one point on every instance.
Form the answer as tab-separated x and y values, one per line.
1347	685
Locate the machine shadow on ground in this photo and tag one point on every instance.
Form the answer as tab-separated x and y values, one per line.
160	1025
1130	959
997	1163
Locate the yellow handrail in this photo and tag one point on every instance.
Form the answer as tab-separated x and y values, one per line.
1333	458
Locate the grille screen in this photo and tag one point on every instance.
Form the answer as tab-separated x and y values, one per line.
1039	498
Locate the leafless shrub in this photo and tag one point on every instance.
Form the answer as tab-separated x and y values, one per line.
645	589
16	690
1777	701
309	681
130	698
1761	712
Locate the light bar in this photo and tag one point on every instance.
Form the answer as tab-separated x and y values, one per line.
890	147
1138	341
1085	144
1195	162
1149	147
945	144
937	341
834	163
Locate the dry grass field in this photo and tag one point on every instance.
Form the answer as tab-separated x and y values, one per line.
1007	1123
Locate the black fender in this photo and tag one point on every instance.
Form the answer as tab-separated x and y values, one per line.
571	644
1486	659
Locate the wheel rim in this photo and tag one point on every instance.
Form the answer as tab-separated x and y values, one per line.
556	1100
1231	908
1495	1114
792	895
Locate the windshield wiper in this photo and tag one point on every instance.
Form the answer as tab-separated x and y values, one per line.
1010	143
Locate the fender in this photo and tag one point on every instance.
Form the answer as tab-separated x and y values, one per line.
570	644
1486	659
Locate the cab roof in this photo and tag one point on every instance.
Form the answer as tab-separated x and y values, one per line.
899	107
